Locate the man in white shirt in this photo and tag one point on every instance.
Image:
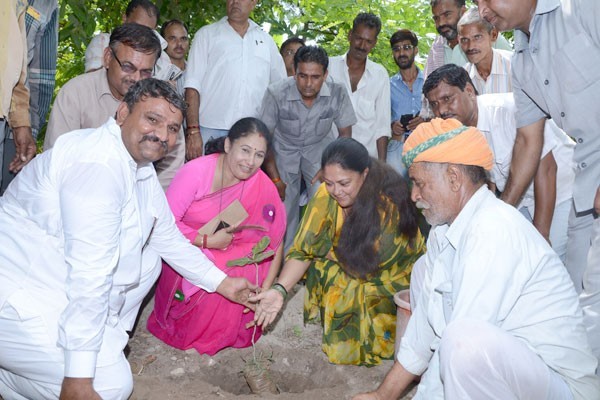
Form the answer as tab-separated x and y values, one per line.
230	65
368	85
547	202
497	316
488	68
81	227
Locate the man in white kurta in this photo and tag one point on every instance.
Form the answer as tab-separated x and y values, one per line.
368	86
547	203
497	316
230	65
81	228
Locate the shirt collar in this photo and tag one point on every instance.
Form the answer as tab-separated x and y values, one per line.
496	63
465	216
294	93
542	7
141	173
545	6
369	65
251	24
102	82
420	76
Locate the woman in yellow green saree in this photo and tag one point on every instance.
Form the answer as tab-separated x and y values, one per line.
355	246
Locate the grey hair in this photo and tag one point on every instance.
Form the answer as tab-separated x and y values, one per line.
471	16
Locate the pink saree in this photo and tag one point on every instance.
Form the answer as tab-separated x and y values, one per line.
206	321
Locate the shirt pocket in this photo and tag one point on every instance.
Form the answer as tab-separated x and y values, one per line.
365	108
289	127
577	63
324	126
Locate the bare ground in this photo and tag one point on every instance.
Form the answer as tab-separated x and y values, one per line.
298	366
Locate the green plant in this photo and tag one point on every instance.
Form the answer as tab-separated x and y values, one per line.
256	371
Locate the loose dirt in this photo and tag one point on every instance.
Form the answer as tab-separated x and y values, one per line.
297	365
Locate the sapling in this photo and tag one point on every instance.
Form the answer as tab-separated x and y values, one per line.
256	371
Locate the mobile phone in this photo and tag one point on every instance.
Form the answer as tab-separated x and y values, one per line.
405	120
222	225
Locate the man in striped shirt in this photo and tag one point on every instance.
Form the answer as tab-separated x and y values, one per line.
488	68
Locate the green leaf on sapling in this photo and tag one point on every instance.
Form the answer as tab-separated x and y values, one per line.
260	246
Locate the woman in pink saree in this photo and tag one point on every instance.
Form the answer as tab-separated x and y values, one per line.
234	205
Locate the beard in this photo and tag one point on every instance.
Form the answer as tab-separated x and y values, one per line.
404	62
449	34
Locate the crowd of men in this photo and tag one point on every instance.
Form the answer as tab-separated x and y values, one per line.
502	146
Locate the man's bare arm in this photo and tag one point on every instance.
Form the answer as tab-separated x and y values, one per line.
544	188
345	132
382	144
193	139
270	167
396	381
525	161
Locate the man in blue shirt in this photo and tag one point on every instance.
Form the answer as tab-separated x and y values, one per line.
406	94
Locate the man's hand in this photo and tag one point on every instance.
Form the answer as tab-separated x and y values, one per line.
416	121
269	304
398	129
25	148
281	186
193	146
525	160
318	177
237	290
78	389
597	201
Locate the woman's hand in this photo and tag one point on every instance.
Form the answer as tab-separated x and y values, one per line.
221	239
269	305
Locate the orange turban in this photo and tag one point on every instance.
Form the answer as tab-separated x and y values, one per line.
447	141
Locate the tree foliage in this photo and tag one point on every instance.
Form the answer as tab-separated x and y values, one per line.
324	22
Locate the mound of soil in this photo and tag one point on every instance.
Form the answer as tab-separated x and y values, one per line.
298	367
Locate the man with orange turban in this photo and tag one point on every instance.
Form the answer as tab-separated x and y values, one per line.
497	316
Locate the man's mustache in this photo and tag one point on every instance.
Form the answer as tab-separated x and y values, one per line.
154	138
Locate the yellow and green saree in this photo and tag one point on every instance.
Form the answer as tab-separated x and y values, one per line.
358	316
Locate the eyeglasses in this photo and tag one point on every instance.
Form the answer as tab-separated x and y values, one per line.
289	52
406	47
129	69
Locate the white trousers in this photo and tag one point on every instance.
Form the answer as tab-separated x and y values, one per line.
579	242
32	364
478	360
590	296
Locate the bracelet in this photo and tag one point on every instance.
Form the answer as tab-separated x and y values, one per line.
281	289
188	134
193	127
204	240
276	180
